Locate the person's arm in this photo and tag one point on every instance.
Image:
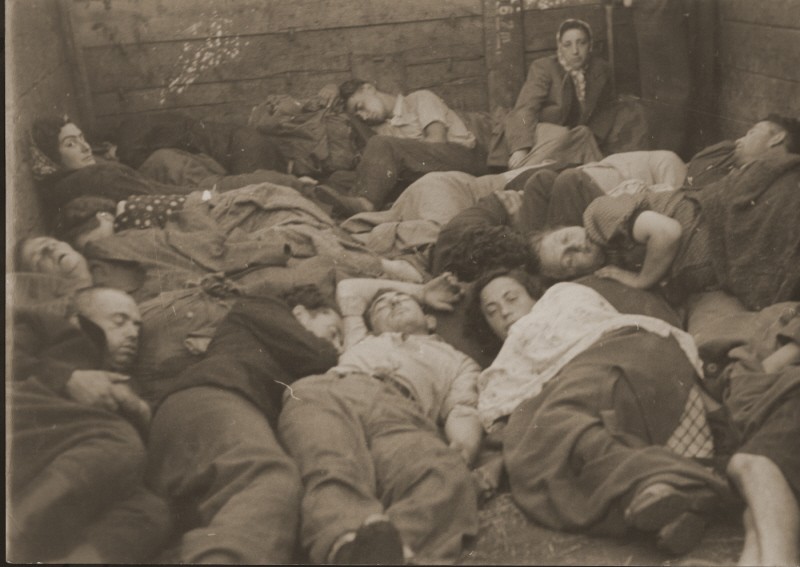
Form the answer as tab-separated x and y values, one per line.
353	295
661	236
520	124
785	356
462	425
435	132
432	114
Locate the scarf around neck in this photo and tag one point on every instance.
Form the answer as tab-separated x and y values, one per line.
578	78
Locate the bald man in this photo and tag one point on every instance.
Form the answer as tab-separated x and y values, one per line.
76	465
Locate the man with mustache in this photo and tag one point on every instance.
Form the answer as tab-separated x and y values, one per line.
76	461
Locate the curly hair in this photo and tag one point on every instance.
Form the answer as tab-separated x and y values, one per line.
349	88
479	328
792	128
310	297
485	248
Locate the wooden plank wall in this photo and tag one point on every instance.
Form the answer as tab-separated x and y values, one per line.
759	62
135	49
541	25
39	82
233	53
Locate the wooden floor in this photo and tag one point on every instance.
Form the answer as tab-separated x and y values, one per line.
506	537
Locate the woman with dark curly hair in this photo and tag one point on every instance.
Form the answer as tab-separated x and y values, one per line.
481	249
594	407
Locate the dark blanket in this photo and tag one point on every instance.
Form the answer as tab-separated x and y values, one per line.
258	350
752	216
107	179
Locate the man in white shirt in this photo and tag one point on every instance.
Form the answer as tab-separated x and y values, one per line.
416	134
384	440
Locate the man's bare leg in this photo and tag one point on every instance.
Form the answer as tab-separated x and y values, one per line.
774	511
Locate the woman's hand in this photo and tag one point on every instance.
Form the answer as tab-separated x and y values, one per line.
630	279
442	292
517	158
512	202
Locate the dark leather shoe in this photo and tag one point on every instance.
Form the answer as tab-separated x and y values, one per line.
377	543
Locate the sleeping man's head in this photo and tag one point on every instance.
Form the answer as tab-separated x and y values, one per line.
394	311
116	314
316	314
773	135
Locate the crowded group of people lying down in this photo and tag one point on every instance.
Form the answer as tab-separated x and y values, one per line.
216	361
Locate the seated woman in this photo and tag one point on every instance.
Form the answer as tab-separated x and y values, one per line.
603	413
565	108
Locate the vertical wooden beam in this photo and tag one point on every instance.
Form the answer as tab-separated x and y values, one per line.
77	65
609	13
505	51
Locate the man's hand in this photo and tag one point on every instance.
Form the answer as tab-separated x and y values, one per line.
306	180
630	279
512	201
517	157
442	292
329	94
400	270
95	388
131	405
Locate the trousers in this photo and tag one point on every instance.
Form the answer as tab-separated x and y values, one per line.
389	164
235	490
363	448
76	476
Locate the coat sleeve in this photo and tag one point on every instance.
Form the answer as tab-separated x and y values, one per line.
51	349
520	124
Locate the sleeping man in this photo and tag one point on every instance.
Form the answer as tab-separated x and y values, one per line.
383	441
416	134
739	234
76	485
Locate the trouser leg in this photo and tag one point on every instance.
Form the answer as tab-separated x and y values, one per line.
321	427
536	199
426	488
572	192
386	161
133	530
214	453
69	464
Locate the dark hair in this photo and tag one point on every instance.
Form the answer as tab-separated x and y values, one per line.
80	216
485	248
479	327
45	133
574	24
792	128
535	239
349	88
376	296
310	297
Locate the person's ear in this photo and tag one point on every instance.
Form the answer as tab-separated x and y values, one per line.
430	323
368	88
777	138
